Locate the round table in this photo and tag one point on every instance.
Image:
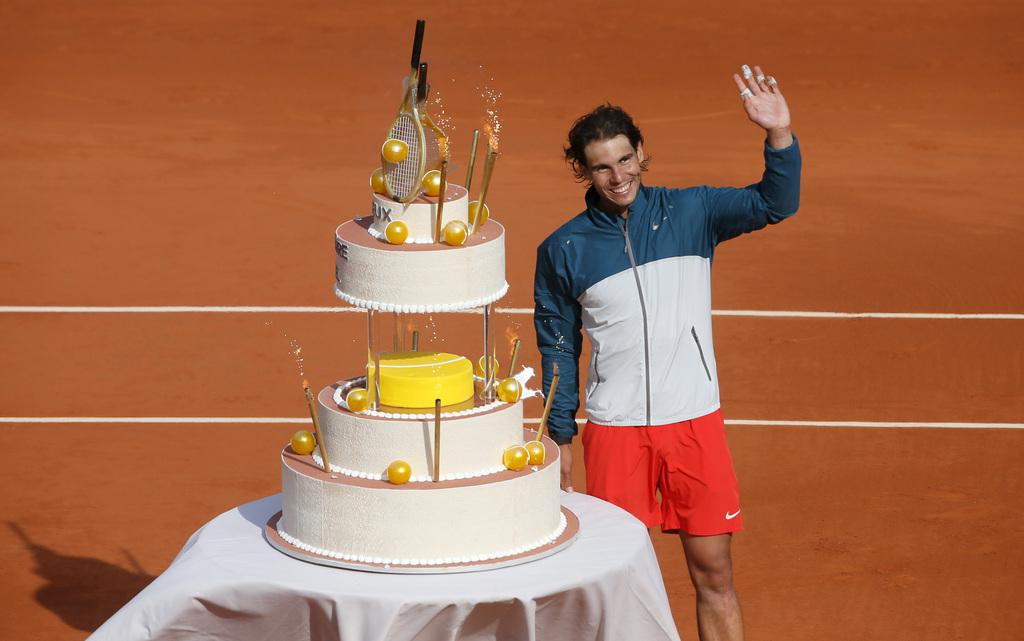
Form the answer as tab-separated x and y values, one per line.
229	583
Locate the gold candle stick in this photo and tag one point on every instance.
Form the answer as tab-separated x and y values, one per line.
439	225
415	340
437	440
492	156
316	426
515	357
472	158
547	403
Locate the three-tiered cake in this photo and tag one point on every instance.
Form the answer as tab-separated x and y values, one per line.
470	509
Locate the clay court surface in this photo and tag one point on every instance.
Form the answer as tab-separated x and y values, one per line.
156	154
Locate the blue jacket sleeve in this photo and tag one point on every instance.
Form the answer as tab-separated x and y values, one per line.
556	317
733	211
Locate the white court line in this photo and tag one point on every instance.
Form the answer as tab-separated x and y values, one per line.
532	421
152	419
932	425
178	309
192	309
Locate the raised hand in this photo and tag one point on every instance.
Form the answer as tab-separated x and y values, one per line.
765	105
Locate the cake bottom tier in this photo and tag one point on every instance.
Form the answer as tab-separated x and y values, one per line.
443	523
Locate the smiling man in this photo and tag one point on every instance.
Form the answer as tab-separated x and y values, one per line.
633	271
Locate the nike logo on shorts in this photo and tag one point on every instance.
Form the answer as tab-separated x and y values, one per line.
731	515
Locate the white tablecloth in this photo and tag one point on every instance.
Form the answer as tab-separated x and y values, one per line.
228	583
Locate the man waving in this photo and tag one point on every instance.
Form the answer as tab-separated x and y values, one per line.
633	271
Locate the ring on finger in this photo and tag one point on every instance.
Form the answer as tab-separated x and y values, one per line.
746	93
772	81
760	77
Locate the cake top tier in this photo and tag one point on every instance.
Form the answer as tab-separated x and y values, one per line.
419	216
419	278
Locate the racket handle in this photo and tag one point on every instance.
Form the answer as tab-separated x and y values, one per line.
417	43
423	88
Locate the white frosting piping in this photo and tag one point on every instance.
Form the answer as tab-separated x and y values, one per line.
423	478
378	306
340	400
448	560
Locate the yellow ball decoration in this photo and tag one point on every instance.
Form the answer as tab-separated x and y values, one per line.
456	233
537	452
377	182
394	150
399	472
303	442
432	182
515	457
479	369
473	207
357	400
509	390
396	232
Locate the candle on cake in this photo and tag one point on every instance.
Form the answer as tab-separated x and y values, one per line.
437	440
478	211
316	426
535	448
472	158
548	400
515	357
439	225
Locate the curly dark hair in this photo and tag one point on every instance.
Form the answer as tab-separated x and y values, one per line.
603	123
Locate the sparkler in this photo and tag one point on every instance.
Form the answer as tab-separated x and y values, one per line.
472	159
515	357
439	225
316	426
481	210
547	403
437	440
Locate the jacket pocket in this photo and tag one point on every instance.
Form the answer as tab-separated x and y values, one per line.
700	350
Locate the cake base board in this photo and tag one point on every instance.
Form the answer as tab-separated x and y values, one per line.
572	529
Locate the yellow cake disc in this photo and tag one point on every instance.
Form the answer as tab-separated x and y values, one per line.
415	379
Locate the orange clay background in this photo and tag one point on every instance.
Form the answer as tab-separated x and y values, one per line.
202	153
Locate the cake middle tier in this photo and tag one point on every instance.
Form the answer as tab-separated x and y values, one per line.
364	446
373	274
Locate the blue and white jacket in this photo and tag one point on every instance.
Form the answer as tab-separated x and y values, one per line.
641	289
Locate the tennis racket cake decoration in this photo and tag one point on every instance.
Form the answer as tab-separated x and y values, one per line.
403	172
436	139
414	169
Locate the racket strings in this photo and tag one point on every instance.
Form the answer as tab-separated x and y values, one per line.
403	177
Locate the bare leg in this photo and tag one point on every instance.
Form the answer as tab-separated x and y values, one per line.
718	610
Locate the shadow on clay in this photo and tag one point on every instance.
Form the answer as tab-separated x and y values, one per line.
83	592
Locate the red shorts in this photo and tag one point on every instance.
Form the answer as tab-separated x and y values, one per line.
687	462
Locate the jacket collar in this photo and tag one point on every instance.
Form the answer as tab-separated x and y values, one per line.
602	218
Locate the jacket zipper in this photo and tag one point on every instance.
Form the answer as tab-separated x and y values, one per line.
700	350
643	312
